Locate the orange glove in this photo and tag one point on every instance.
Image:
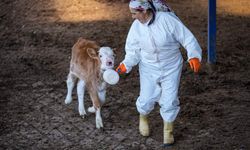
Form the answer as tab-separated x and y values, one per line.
121	69
195	64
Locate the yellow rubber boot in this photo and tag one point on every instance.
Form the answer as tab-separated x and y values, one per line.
143	125
168	137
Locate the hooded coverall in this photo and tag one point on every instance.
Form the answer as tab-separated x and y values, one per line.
156	48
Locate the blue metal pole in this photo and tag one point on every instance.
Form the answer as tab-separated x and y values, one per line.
211	31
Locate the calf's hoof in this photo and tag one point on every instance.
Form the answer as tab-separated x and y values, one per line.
99	123
91	109
82	113
68	100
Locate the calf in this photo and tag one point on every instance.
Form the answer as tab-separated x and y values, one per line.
88	62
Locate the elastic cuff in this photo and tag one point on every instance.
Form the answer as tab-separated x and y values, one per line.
127	68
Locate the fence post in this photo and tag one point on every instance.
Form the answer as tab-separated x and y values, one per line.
211	32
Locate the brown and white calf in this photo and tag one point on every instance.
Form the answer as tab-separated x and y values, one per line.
88	62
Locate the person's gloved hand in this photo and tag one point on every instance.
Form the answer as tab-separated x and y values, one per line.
121	69
195	64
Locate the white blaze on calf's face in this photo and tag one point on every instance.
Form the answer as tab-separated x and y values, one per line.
106	56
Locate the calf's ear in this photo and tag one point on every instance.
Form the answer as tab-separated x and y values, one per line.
92	53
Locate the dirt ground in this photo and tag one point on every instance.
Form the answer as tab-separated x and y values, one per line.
36	39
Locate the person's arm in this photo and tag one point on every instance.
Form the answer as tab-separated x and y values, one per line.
185	37
132	50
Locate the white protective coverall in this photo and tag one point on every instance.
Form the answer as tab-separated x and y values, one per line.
157	50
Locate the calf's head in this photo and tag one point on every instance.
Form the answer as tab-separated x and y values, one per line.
107	58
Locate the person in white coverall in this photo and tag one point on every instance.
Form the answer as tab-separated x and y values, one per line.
153	42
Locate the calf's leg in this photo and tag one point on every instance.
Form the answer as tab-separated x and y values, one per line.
80	94
97	106
102	96
98	118
70	85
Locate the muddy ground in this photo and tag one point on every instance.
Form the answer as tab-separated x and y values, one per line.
36	38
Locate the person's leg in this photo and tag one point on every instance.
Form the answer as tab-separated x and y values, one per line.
149	93
169	104
169	101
